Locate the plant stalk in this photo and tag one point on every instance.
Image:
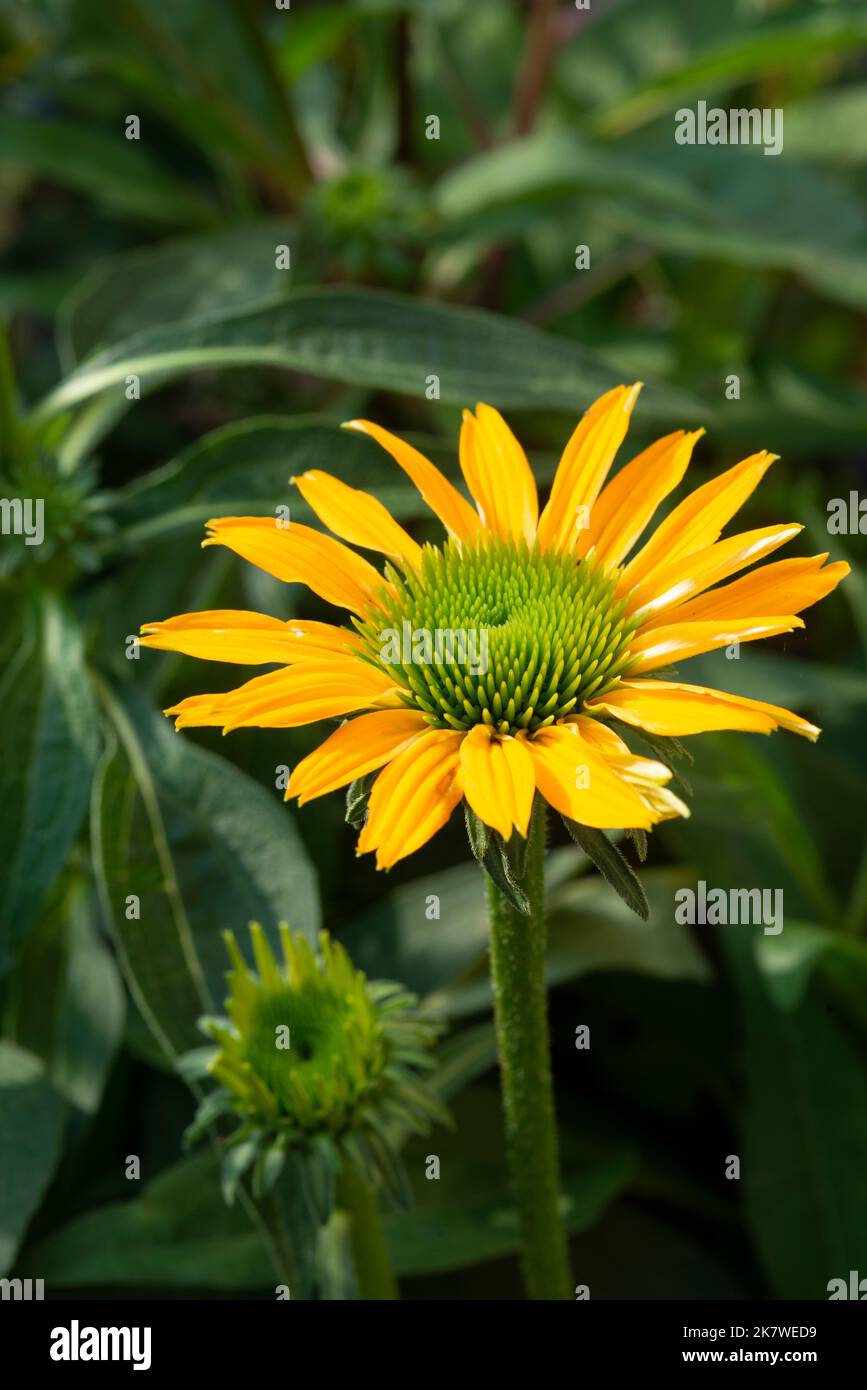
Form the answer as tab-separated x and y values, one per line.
520	1010
372	1261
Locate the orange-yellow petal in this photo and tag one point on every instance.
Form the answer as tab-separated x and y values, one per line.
627	504
498	780
299	555
413	797
678	641
785	586
359	746
248	639
667	586
355	516
498	475
647	775
699	519
578	781
584	466
671	709
324	686
444	500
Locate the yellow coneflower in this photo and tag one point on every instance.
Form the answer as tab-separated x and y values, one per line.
483	669
570	626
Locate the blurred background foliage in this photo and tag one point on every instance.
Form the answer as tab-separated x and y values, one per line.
412	257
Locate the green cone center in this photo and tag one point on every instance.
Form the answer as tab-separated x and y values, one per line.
305	1034
499	633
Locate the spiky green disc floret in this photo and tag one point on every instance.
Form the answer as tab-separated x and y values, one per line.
546	630
312	1052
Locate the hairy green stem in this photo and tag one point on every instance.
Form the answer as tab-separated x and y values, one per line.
518	979
369	1251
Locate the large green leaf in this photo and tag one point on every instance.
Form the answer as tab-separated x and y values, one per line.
202	849
119	172
466	1215
171	283
804	1138
790	960
245	470
426	1241
205	71
386	341
48	746
677	55
178	1233
68	1002
31	1132
696	201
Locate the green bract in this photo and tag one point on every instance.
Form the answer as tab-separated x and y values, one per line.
500	634
315	1059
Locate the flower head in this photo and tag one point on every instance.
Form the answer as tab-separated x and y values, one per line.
315	1059
487	668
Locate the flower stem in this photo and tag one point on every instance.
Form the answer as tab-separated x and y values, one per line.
369	1251
518	979
270	1215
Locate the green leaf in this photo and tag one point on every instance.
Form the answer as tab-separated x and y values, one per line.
462	1058
202	848
427	1242
638	839
478	834
118	172
804	1137
497	865
689	200
467	1216
48	746
178	1233
173	282
739	56
236	1161
244	470
31	1133
68	1000
611	864
383	341
357	797
790	960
